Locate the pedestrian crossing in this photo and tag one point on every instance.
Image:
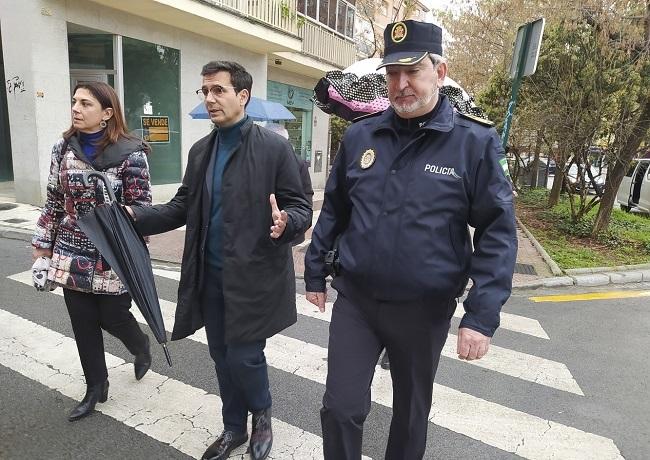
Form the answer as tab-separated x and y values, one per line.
191	422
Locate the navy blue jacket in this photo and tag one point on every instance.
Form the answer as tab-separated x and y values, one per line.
404	219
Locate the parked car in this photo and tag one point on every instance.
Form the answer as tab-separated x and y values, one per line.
634	191
596	186
551	167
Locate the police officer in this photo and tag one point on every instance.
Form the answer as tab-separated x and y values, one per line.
405	185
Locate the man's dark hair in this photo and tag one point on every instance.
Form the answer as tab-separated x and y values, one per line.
239	77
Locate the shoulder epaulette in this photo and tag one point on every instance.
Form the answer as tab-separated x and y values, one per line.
368	115
483	121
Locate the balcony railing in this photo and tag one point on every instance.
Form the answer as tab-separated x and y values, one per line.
276	13
322	43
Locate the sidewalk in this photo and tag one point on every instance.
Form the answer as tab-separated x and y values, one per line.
534	268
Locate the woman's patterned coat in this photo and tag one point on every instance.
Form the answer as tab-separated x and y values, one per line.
76	263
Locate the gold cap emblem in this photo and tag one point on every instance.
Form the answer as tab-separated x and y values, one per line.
398	32
367	159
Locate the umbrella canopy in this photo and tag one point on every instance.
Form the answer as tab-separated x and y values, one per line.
111	230
258	109
361	89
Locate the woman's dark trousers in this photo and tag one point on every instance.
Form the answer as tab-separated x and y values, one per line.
89	314
241	367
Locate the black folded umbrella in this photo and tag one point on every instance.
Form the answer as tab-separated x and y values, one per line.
111	230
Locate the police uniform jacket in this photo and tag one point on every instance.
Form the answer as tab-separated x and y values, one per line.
403	218
258	277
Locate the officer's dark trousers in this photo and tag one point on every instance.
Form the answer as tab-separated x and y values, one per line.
413	335
241	367
89	314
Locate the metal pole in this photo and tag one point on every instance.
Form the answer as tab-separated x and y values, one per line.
516	84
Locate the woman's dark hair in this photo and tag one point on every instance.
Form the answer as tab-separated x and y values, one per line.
116	125
239	77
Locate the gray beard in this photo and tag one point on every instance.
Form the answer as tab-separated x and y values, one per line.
418	104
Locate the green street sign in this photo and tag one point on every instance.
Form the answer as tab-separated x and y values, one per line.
524	63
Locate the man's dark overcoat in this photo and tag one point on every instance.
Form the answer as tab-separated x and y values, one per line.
258	275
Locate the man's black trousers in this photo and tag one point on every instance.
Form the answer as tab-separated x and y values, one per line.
413	334
241	368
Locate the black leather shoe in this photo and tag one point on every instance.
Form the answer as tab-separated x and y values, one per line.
261	436
94	394
142	361
225	443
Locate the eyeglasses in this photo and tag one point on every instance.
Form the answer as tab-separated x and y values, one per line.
216	91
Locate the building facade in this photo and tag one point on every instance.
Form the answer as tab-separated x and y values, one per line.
152	52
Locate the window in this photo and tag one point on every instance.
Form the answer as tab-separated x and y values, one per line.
308	7
323	9
311	8
630	171
340	23
331	22
338	15
349	25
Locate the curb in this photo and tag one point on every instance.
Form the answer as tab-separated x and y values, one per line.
595	276
618	268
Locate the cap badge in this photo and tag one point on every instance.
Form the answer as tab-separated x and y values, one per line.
367	159
398	33
408	59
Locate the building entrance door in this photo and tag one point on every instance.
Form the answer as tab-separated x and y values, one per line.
6	165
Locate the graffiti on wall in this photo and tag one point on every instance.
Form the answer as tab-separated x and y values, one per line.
15	85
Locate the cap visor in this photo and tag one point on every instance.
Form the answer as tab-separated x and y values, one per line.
403	58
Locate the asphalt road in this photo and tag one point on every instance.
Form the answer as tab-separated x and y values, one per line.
564	379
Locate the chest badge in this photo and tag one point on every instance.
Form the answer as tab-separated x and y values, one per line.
367	159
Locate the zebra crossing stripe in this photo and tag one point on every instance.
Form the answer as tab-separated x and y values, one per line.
513	363
510	430
275	350
165	409
509	362
509	321
516	323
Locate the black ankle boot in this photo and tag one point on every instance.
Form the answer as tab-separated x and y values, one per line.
262	435
142	361
94	394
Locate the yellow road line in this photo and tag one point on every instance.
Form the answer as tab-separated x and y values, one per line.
591	296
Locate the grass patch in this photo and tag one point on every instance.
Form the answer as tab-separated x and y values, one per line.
626	242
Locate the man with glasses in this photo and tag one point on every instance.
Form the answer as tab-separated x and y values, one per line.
243	203
405	185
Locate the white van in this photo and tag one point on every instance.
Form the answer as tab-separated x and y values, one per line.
634	191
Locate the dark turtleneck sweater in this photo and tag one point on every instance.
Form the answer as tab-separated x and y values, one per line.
88	142
227	140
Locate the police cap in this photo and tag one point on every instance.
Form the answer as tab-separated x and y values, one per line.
408	42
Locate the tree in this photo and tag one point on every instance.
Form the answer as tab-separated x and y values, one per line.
592	86
370	39
481	36
337	128
633	122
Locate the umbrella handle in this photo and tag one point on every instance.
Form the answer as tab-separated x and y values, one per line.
104	179
167	356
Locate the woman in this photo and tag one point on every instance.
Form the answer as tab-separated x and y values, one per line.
94	296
